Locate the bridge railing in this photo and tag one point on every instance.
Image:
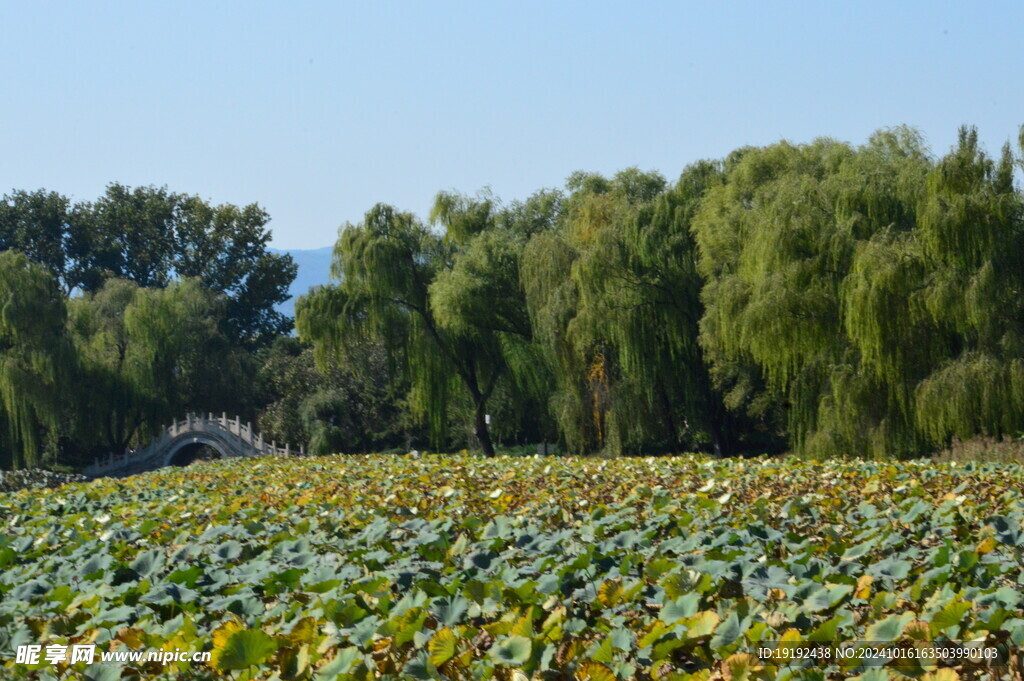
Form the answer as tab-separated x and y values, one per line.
252	443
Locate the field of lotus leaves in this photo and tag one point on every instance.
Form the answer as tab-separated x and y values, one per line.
455	567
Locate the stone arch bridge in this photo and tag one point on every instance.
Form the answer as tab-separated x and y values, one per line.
179	442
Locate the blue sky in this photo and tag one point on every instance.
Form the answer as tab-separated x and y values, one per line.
317	111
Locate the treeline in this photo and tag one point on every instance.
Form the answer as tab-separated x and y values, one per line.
121	314
826	298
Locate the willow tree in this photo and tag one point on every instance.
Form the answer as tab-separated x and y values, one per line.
107	416
483	294
180	355
150	355
386	266
581	399
873	291
552	299
613	295
777	244
34	358
640	290
936	312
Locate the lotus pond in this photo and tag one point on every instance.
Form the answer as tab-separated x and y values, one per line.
455	567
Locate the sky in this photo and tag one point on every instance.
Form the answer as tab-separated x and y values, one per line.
317	111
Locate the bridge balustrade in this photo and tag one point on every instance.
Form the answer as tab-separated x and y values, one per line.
228	436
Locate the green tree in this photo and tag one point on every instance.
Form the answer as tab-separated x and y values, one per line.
640	293
146	356
34	358
226	247
37	223
152	236
108	413
871	291
340	408
182	357
953	282
129	234
482	295
613	296
777	241
387	265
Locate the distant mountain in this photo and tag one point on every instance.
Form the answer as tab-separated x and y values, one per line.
314	270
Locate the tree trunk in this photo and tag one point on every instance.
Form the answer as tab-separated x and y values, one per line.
675	443
715	413
482	432
716	419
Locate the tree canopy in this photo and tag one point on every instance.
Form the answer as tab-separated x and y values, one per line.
825	298
411	287
34	357
870	289
125	312
832	298
151	236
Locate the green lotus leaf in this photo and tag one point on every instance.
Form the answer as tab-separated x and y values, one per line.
888	629
148	563
729	631
450	611
513	651
947	620
243	649
442	646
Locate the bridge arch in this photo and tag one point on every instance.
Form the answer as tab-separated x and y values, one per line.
230	438
185	443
